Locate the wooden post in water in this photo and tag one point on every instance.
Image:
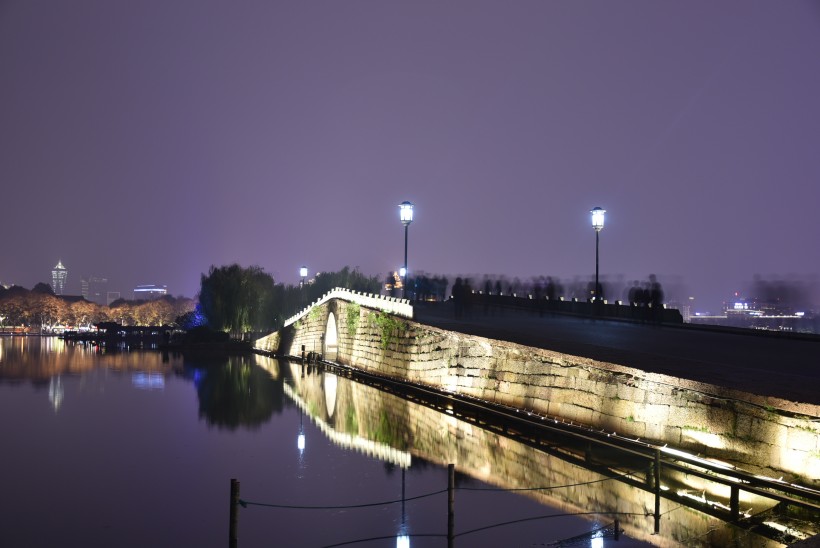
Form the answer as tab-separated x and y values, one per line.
617	529
451	499
657	491
232	532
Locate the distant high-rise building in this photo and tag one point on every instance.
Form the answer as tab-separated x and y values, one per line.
149	292
111	296
59	274
95	289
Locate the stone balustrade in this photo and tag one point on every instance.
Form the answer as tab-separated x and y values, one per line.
391	305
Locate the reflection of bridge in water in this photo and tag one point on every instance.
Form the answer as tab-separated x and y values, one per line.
577	473
381	451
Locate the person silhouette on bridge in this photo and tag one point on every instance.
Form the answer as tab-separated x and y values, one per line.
539	301
468	298
458	298
488	285
655	298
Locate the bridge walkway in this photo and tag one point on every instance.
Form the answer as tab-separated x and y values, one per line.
760	363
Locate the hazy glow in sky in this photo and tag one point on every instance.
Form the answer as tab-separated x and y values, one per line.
145	141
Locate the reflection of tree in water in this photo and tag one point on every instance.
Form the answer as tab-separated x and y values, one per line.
389	431
234	392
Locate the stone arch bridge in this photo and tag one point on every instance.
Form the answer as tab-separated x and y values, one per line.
530	365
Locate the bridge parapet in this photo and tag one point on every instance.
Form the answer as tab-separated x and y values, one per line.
391	305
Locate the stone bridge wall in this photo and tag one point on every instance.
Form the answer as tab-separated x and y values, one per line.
730	425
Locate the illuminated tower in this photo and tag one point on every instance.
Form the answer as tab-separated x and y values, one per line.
58	277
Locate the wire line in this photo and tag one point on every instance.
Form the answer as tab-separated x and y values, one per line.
547	488
552	516
246	503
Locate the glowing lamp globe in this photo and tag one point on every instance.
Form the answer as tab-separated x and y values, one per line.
598	218
406	213
303	272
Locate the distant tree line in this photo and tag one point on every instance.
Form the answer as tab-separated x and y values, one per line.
42	308
232	298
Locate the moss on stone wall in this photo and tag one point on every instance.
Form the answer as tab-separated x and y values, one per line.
352	318
390	327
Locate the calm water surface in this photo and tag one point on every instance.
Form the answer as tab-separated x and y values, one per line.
137	448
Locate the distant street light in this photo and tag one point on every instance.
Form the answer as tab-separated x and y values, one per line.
406	216
597	224
303	273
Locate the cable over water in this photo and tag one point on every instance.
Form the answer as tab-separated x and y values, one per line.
246	503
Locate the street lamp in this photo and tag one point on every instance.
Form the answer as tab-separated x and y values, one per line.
303	273
597	224
406	216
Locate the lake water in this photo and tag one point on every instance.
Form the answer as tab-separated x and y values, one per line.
137	448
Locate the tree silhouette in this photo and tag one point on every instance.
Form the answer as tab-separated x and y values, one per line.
237	299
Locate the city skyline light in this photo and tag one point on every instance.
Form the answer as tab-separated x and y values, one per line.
145	143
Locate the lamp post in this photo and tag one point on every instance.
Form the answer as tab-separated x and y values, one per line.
406	216
597	224
303	274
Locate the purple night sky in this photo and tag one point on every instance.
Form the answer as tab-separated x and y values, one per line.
144	141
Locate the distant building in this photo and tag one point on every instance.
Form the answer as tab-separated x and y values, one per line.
754	313
111	296
393	283
59	274
95	289
149	292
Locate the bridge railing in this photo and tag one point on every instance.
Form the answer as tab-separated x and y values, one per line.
391	305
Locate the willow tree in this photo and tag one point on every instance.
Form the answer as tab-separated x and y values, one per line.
237	299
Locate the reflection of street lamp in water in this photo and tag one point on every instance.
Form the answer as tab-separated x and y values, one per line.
55	392
597	541
300	439
402	539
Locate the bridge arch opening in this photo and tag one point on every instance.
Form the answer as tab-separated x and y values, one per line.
331	349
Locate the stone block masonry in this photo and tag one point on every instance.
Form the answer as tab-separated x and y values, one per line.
760	432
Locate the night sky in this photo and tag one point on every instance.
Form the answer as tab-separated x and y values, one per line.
145	141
